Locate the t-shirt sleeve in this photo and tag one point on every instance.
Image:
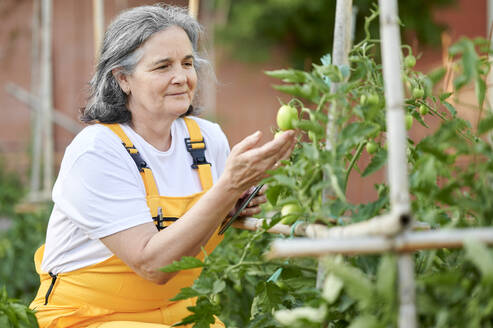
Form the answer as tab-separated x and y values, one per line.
222	150
102	193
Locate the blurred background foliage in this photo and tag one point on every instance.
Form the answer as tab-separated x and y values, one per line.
303	30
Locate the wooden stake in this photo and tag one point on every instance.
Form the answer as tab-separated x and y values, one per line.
193	8
46	92
407	291
58	117
397	144
340	52
209	83
394	99
98	26
404	243
313	230
36	118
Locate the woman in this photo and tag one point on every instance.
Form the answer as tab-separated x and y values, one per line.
146	165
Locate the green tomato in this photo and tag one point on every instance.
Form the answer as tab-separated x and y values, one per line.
423	110
277	134
418	92
280	284
410	61
285	117
373	99
362	100
216	299
312	136
290	213
409	121
371	147
238	287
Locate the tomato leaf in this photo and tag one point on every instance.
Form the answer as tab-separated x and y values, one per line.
376	163
185	263
272	193
445	95
479	254
288	75
485	125
480	88
450	108
285	180
187	292
365	321
203	314
356	283
332	288
386	279
218	286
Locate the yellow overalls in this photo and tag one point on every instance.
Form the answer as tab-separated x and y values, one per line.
110	294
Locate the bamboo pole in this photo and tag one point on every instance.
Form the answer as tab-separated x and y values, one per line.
404	243
394	99
193	8
209	82
58	117
340	52
489	32
254	224
397	145
46	92
407	291
98	26
375	226
36	118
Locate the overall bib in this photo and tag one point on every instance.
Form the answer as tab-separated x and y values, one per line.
109	294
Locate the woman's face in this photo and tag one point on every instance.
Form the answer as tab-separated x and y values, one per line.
163	82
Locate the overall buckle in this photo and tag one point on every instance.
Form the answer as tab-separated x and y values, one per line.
198	153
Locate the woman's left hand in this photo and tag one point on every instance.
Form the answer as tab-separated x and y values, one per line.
253	206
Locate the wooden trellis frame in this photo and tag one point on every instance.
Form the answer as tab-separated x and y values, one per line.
389	232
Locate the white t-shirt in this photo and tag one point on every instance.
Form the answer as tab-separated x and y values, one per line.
99	190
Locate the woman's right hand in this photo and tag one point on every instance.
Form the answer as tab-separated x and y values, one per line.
248	162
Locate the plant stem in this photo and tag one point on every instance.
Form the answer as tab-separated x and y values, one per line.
353	161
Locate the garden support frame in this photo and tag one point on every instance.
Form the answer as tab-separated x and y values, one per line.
389	232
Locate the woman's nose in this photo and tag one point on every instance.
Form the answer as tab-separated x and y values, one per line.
179	76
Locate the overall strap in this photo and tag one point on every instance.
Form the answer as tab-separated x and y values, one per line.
196	147
145	171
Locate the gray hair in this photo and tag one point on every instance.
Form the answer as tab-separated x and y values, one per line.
121	49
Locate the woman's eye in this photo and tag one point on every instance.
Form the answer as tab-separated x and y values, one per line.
189	64
163	67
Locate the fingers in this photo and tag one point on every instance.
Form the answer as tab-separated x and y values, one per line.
251	211
257	200
288	151
248	162
276	146
253	206
247	143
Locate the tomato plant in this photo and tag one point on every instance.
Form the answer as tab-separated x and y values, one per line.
14	314
451	179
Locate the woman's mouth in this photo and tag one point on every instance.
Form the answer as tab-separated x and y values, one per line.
177	94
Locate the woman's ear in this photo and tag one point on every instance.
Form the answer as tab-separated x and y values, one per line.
121	79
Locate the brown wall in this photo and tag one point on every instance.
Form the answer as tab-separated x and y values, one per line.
245	100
